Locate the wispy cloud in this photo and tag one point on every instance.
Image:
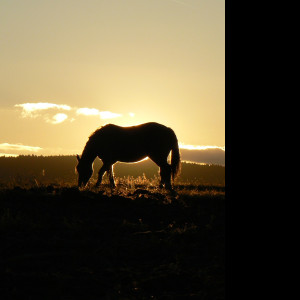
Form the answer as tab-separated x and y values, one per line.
29	109
47	112
108	115
19	147
87	111
95	112
58	118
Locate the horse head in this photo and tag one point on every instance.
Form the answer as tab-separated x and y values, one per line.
84	170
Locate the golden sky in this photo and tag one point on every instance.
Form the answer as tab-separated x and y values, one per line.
71	66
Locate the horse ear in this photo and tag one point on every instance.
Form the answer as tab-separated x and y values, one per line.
78	158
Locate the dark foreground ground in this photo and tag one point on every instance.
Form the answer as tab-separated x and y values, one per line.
62	243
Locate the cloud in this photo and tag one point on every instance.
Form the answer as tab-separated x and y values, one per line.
203	154
95	112
108	115
30	109
87	111
19	147
58	118
47	112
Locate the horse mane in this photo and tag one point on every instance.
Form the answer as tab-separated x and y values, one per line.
96	132
94	136
99	130
90	142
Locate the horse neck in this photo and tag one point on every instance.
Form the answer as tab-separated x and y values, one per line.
88	155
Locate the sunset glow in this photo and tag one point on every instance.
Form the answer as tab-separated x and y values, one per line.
18	147
67	70
193	147
8	155
112	149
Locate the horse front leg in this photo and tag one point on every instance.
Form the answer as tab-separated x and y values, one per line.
100	174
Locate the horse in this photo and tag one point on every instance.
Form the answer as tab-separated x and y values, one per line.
113	143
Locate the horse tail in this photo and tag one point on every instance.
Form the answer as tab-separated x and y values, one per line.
175	158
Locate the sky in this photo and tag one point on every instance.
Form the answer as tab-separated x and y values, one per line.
68	67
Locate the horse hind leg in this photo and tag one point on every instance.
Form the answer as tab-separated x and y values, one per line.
165	174
110	173
164	171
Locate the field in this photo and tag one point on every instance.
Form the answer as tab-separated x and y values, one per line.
134	242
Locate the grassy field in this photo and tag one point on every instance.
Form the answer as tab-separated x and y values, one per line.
134	242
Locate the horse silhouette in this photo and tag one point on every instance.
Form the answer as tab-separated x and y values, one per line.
112	143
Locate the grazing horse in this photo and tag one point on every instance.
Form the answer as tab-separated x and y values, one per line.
112	143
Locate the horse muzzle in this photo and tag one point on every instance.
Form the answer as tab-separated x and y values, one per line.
80	183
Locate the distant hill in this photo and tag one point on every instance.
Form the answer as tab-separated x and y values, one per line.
63	168
207	156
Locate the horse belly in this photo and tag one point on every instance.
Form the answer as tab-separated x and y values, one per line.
131	156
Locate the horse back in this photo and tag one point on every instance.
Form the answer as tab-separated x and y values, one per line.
134	142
